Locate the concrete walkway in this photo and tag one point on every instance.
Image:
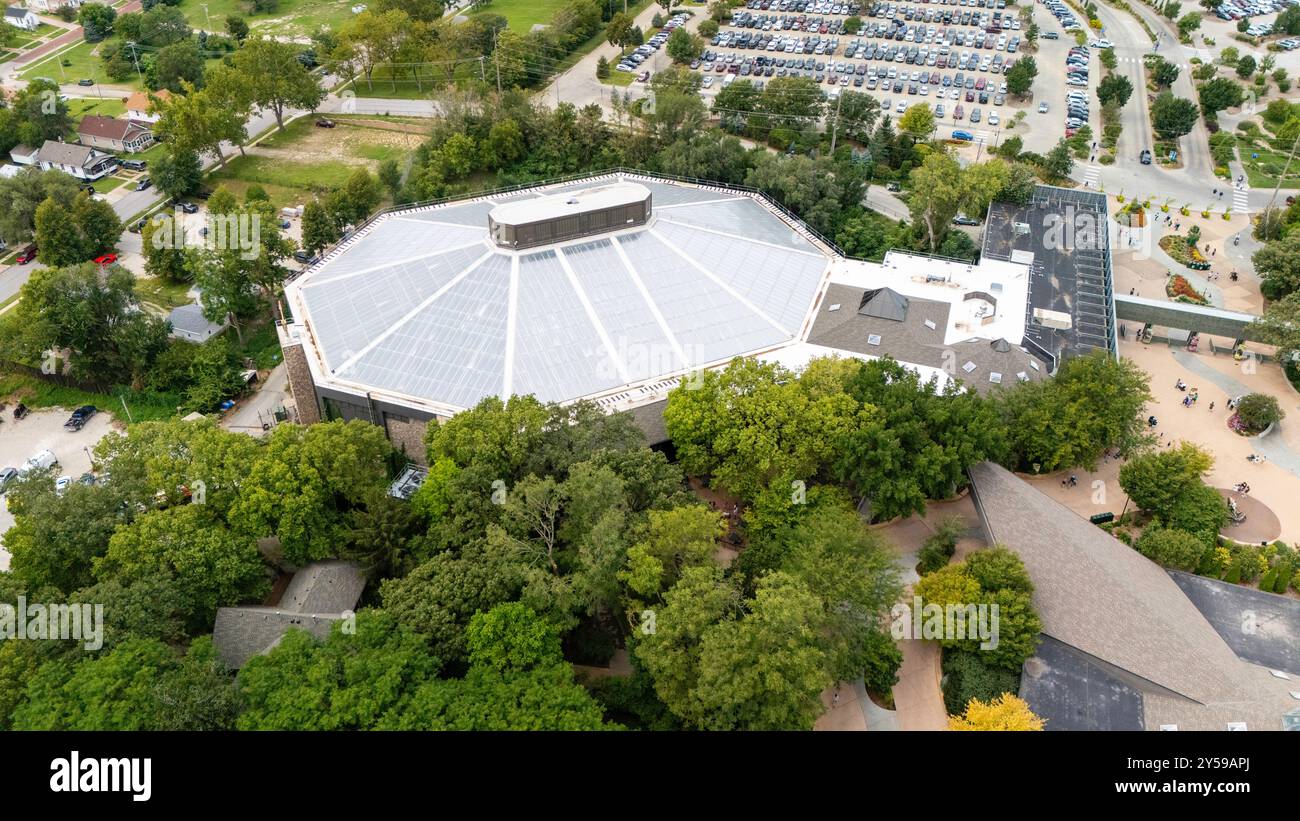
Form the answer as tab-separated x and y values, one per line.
917	696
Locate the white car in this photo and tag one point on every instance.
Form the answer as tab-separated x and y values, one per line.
901	107
1101	44
1042	108
708	82
993	119
61	484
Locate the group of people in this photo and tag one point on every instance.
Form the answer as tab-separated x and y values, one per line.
1242	488
1190	398
1071	482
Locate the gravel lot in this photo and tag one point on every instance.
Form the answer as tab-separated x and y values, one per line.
43	429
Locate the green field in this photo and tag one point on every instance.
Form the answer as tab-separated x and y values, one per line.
79	107
163	293
36	393
292	17
83	63
522	15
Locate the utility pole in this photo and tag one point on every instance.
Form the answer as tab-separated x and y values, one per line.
835	129
496	60
135	60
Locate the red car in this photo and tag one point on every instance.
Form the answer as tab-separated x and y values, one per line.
28	255
106	259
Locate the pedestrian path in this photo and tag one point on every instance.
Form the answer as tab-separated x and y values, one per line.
1182	67
1092	176
1241	200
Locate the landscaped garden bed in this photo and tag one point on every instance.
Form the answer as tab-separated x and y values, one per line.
1178	288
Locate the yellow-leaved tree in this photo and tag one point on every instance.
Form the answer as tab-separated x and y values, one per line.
1006	712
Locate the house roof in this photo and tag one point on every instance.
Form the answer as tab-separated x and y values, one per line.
877	330
317	596
884	303
110	128
1097	594
15	12
139	101
68	153
21	150
1121	624
324	587
190	319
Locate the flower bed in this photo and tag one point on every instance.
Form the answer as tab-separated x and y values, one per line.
1178	248
1180	289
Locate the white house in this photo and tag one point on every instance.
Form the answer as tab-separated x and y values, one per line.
137	106
80	161
21	18
49	6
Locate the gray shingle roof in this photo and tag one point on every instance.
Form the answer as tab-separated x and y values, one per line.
912	340
68	154
317	596
15	12
190	319
1098	595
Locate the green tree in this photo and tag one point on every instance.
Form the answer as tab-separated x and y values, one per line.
1173	549
237	27
212	566
1246	67
1188	23
23	193
1093	404
1021	77
1163	72
683	46
318	229
96	21
347	682
1154	481
197	121
936	195
275	78
1116	88
177	173
1220	93
918	121
1059	161
177	63
58	237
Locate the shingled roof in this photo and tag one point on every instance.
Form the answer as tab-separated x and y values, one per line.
317	596
1097	594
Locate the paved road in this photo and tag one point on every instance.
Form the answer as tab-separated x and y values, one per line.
250	414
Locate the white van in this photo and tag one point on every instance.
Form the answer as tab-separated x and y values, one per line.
42	460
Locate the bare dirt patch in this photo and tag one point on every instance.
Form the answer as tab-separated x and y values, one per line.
348	142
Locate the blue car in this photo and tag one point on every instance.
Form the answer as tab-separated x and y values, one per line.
963	135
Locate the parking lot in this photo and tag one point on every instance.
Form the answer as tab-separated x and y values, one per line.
43	430
951	55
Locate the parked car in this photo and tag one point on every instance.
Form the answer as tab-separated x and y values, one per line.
964	136
134	165
305	257
80	417
85	81
144	183
1145	156
27	255
61	484
40	461
6	476
962	219
106	259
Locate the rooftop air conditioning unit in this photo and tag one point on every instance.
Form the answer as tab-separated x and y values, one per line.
1022	227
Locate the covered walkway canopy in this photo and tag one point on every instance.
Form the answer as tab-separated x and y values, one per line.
1183	316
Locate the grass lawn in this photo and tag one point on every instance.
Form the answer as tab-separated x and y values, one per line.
163	292
292	17
522	15
105	184
13	255
36	393
150	154
262	346
83	63
79	107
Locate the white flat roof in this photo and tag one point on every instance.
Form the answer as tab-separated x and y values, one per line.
951	281
524	212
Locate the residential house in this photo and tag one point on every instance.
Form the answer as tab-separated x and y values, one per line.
316	597
137	106
111	134
80	161
21	18
188	323
51	6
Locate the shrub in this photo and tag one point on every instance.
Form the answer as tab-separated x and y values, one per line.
1174	549
1258	410
1233	576
966	676
940	547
